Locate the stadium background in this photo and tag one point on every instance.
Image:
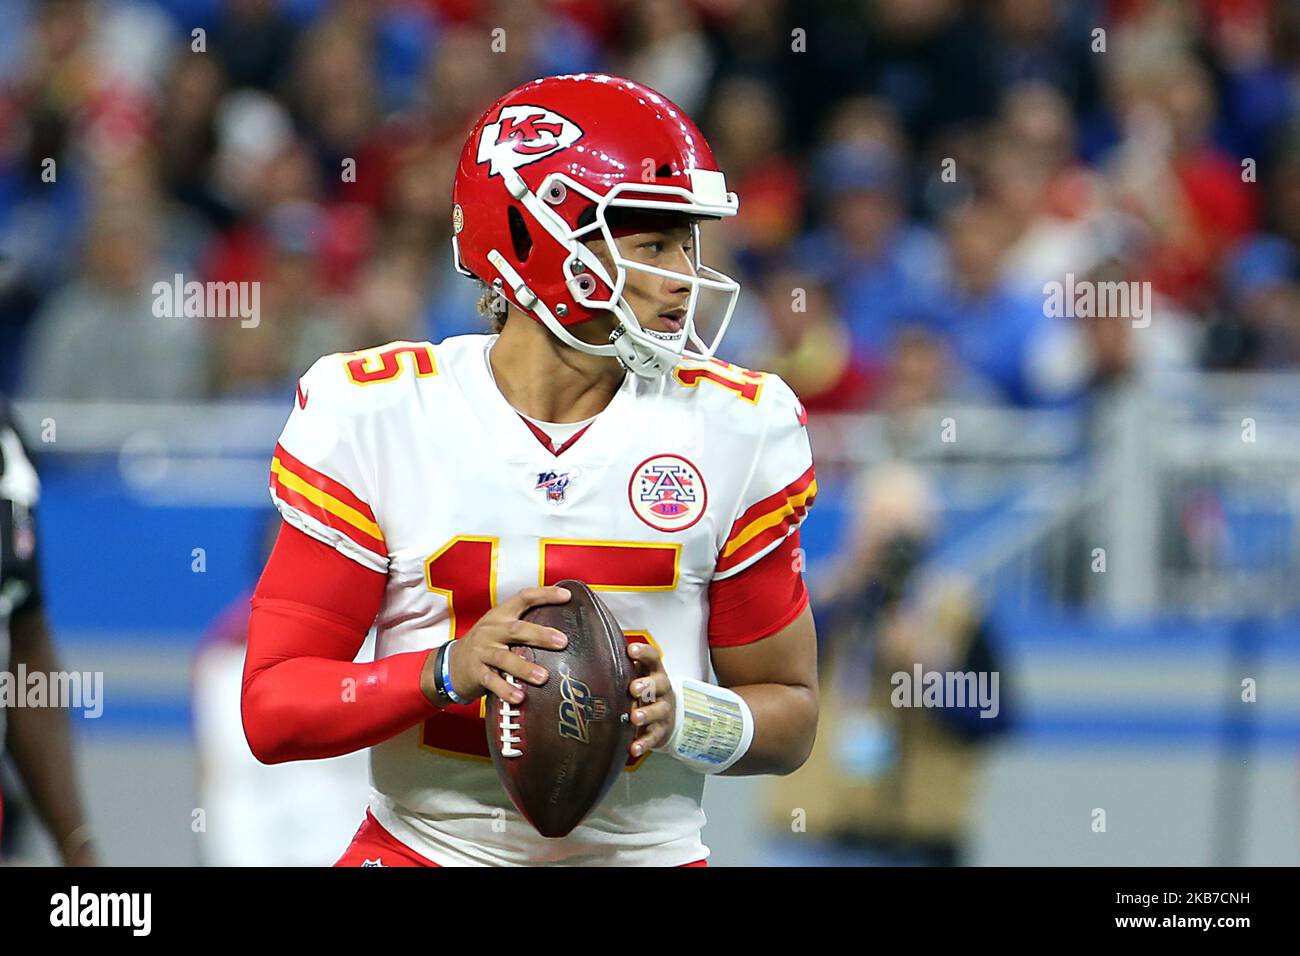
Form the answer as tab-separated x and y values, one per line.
917	169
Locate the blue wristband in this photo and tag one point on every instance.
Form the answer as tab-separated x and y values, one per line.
446	677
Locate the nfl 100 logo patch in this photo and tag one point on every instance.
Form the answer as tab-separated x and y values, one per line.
554	484
667	492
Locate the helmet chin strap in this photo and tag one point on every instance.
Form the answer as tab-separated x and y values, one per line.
644	360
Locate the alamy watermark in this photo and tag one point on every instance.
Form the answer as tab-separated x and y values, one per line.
922	688
133	911
1086	299
208	300
83	690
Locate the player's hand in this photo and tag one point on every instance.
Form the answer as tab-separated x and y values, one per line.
481	657
653	708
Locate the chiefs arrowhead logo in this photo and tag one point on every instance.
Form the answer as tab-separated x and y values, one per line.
524	134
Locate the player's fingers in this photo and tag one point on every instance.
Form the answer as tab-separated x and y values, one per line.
534	635
646	654
520	602
508	662
496	684
645	714
655	687
648	738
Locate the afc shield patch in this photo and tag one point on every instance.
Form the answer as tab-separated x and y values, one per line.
667	492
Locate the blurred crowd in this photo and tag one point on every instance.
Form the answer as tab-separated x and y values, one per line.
911	174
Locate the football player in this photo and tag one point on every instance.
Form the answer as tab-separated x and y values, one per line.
39	739
437	491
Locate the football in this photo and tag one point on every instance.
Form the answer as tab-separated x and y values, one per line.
559	751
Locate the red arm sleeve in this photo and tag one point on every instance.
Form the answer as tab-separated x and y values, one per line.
760	600
303	697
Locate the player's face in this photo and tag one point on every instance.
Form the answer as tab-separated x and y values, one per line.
658	302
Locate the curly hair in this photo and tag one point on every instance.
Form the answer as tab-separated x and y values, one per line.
493	306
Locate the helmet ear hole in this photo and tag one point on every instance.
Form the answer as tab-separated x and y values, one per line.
664	172
519	237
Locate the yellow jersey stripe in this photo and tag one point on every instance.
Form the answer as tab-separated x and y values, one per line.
771	519
325	500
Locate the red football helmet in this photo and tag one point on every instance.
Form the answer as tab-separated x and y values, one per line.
542	170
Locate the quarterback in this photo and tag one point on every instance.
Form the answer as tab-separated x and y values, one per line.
435	492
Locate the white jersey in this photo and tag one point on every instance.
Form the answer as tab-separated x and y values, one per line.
408	459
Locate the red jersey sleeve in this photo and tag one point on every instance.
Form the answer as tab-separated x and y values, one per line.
760	600
303	697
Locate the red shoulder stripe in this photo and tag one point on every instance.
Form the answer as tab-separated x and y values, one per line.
325	483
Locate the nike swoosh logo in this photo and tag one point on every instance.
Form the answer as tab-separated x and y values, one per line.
302	397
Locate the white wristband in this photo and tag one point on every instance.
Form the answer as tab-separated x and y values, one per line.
713	727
